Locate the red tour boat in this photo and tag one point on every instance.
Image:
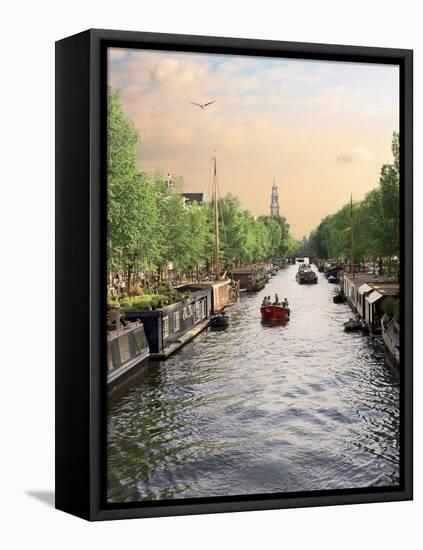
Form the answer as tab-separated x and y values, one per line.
274	313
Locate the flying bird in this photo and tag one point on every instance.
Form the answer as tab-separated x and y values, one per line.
202	105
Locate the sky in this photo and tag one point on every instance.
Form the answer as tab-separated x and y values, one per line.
321	129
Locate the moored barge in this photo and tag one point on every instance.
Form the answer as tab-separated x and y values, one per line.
251	279
222	293
170	327
391	339
127	351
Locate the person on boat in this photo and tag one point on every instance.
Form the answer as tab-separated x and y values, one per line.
276	300
264	303
285	302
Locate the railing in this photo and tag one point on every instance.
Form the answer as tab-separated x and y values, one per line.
112	334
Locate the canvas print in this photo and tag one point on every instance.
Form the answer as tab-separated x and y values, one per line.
253	261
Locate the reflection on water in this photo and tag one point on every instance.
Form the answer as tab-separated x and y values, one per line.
259	408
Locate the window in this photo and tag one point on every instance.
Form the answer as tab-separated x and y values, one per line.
165	327
140	339
186	312
127	347
110	365
197	311
176	321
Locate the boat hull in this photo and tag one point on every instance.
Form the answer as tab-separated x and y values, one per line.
307	278
274	313
127	352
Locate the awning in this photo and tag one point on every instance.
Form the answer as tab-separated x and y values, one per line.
374	297
364	289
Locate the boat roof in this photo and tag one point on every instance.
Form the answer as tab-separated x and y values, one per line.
207	284
374	296
131	327
365	288
245	270
387	289
370	279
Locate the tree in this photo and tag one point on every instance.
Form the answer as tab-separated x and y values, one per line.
376	222
121	183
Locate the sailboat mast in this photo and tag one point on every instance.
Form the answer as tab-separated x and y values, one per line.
352	238
216	219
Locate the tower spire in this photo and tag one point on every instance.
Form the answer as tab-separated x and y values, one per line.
274	200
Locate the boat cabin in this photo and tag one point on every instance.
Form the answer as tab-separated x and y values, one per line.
251	279
127	348
221	293
373	303
168	328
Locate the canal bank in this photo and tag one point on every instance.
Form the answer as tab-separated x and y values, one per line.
259	408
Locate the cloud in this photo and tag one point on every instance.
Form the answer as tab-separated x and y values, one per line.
286	119
357	154
117	54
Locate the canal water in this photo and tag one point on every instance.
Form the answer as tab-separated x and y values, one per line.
259	409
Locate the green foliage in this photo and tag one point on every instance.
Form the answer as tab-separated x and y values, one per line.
168	292
375	220
149	226
397	311
389	305
136	291
144	302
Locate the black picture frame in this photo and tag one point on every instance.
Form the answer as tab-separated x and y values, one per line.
80	272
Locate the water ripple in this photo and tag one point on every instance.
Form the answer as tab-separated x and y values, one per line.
259	408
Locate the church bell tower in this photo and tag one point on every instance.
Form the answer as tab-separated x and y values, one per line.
274	201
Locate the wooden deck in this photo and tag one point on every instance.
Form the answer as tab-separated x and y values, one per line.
181	341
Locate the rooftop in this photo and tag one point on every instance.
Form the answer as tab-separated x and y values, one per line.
387	289
369	278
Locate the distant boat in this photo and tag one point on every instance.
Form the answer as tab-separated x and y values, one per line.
219	321
306	276
339	298
251	279
275	313
274	272
352	325
332	279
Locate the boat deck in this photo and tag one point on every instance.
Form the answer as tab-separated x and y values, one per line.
181	341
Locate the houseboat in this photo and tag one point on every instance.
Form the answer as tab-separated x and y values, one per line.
365	294
332	267
279	263
251	279
222	293
306	276
170	327
127	351
373	304
391	340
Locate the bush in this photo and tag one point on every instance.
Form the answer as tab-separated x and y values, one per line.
136	291
166	290
141	302
388	306
144	302
397	311
112	302
125	302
